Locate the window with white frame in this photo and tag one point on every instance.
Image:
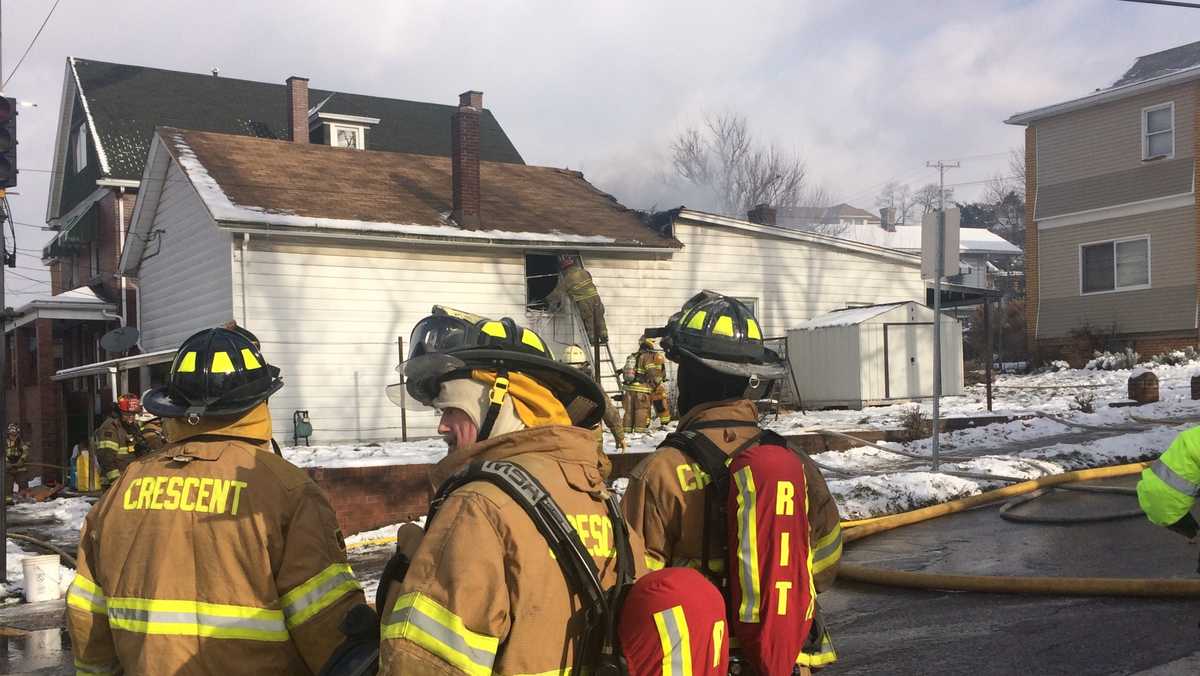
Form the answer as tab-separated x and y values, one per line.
347	136
751	303
79	148
1117	265
1158	131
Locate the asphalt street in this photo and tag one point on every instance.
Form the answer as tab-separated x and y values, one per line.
894	631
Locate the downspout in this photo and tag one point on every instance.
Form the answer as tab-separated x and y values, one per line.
245	250
120	249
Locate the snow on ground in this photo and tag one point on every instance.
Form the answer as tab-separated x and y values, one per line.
11	592
1006	449
913	485
367	455
68	515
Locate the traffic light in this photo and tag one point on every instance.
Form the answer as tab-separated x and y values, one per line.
8	142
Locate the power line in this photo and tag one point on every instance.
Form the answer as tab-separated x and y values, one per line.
1169	3
27	278
31	44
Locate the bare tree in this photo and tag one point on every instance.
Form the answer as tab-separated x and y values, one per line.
928	197
723	157
899	197
1016	170
1006	196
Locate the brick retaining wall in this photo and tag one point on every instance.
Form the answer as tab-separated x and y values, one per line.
366	498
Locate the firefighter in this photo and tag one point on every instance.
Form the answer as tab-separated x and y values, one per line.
659	398
1168	488
643	374
576	284
212	555
717	343
484	592
16	454
121	439
576	358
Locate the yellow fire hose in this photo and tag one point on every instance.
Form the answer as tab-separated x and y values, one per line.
1007	584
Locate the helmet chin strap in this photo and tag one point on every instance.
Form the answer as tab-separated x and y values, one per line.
498	394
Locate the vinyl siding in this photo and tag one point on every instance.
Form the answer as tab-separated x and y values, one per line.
793	280
329	316
186	286
1170	303
1106	139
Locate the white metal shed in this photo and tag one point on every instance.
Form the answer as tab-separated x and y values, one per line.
878	354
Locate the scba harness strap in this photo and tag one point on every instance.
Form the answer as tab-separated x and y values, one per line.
600	650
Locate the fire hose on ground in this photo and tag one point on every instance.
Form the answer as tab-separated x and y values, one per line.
1003	584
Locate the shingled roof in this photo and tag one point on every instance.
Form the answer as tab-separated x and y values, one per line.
125	103
1161	63
253	183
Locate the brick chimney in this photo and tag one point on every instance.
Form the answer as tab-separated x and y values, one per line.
297	88
763	214
887	219
464	158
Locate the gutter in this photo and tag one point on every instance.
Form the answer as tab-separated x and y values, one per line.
117	183
1111	94
430	240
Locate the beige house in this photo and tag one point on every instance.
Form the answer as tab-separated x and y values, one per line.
1111	211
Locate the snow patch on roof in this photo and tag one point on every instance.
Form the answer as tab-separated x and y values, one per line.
223	208
907	238
75	296
848	316
91	122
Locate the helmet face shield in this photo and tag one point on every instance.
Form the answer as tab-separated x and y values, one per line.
440	333
423	374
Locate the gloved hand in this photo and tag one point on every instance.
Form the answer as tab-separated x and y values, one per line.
408	538
622	444
1186	526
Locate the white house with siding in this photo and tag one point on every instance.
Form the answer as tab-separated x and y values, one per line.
329	255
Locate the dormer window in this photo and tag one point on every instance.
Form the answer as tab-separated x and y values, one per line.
346	136
338	130
79	148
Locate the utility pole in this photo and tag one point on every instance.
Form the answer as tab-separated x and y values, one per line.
939	272
5	480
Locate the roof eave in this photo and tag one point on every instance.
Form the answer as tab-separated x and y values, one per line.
802	235
1106	95
434	240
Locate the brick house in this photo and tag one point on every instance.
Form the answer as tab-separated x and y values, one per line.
1111	212
107	116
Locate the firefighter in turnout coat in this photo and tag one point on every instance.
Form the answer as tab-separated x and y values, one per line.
122	438
718	345
16	454
576	286
484	592
573	356
212	555
643	374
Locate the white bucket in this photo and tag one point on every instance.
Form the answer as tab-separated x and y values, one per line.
41	578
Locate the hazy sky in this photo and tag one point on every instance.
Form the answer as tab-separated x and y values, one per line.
866	91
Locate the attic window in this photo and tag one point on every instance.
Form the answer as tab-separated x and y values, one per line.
541	276
347	136
79	148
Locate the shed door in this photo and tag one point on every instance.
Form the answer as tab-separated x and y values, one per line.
910	361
